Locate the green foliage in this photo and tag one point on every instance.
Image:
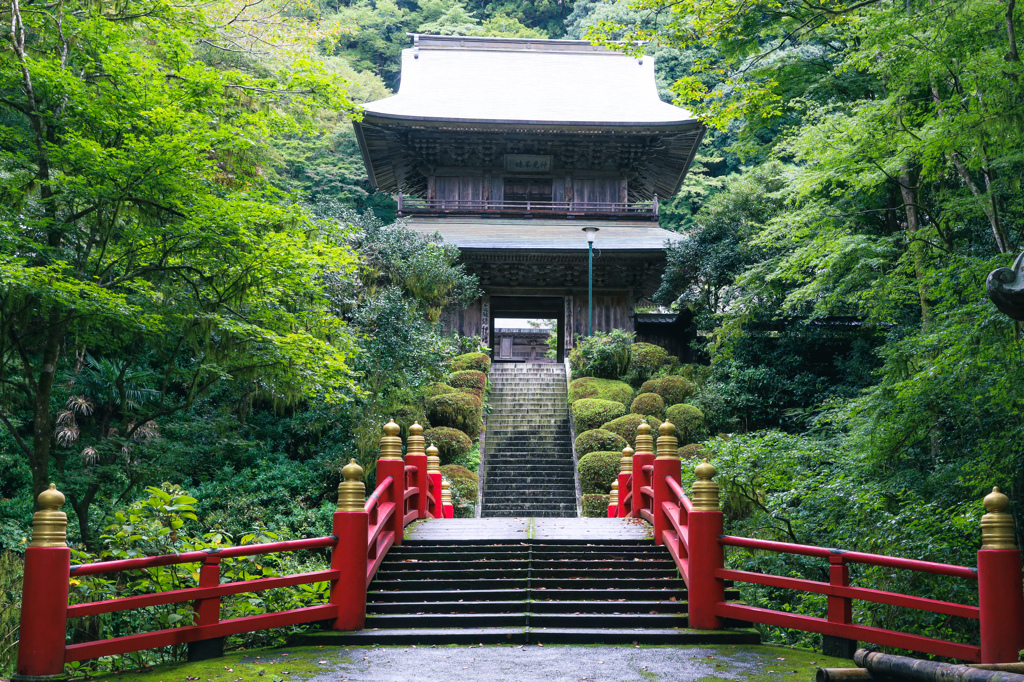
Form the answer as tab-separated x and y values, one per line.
692	451
437	388
688	420
469	378
11	573
590	413
603	389
463	488
673	389
645	359
595	506
480	362
649	404
597	470
625	426
452	445
409	414
602	355
462	411
598	439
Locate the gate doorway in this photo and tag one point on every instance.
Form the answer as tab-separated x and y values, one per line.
529	347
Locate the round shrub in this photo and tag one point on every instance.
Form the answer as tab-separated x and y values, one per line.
598	439
595	506
688	420
598	470
469	378
437	388
590	413
692	451
673	389
406	415
626	427
649	403
644	361
602	389
477	361
464	482
452	445
461	411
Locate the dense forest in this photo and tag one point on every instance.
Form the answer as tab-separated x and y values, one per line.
199	288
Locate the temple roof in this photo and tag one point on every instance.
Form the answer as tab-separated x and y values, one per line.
517	80
545	235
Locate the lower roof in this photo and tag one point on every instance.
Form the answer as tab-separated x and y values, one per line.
475	234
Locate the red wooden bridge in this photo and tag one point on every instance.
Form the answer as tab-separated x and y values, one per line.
690	527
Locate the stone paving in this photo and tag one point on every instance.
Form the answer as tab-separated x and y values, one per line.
505	529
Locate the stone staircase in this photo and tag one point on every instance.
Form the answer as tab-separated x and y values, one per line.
528	464
477	592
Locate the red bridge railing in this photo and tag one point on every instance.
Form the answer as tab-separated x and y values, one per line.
363	532
692	532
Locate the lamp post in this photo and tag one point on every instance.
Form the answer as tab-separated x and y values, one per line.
591	231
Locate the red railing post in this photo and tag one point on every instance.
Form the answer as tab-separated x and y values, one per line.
434	473
613	500
644	456
706	555
391	464
666	466
625	471
415	456
350	554
840	610
446	500
207	612
1000	595
44	597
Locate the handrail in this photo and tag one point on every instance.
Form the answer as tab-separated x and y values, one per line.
678	491
374	499
414	205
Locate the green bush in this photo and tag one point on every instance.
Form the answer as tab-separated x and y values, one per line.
595	506
602	389
598	470
649	403
464	482
673	389
462	411
693	450
688	420
626	427
598	439
406	415
602	355
645	359
437	388
452	445
475	361
590	413
469	378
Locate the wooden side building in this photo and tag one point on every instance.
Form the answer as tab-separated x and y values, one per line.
509	148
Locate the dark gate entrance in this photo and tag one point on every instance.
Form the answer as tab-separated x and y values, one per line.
542	307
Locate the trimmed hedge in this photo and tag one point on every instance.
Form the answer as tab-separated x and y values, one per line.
590	413
598	470
464	482
673	389
437	388
478	361
649	403
626	426
602	389
469	378
692	450
595	506
596	440
452	445
644	361
689	421
462	411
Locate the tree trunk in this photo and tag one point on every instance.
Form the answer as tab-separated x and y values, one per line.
42	425
917	246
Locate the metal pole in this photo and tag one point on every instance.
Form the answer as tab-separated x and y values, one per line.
590	289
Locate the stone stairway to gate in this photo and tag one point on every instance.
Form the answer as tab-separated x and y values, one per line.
528	466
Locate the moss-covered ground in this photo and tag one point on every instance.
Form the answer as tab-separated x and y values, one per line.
551	663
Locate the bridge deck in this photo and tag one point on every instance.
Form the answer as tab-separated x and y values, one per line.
505	529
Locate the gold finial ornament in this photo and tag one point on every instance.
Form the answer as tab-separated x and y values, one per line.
49	524
446	492
997	531
391	442
668	444
415	442
615	491
626	463
433	460
705	490
351	490
644	440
